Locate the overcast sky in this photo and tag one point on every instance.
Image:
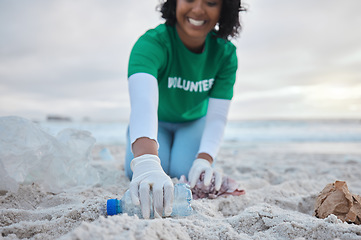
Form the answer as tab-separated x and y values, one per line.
66	57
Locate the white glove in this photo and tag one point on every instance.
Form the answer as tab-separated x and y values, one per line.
148	175
201	165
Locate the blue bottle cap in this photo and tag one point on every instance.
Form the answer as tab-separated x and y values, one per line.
113	207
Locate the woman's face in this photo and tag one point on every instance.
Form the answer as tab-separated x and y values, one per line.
195	19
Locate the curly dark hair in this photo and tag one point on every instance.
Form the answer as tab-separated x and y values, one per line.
228	24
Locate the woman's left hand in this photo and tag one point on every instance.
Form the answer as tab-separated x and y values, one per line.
201	165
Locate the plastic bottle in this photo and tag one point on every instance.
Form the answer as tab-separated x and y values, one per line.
181	203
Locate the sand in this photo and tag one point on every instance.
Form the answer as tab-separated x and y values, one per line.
281	181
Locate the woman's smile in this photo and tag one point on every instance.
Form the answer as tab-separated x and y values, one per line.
196	23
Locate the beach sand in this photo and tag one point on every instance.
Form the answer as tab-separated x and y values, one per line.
281	181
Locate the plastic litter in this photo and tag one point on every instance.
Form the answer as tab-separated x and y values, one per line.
28	154
181	203
106	155
229	187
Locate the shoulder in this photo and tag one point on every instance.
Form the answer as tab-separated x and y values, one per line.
159	34
222	46
150	52
154	41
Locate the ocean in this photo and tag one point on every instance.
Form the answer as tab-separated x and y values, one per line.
244	131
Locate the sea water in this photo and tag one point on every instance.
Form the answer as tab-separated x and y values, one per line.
243	131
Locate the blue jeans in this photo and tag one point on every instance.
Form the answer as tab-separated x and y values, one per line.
178	146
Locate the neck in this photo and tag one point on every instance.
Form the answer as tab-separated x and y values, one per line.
195	45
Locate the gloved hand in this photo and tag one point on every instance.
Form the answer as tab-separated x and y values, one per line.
201	165
148	175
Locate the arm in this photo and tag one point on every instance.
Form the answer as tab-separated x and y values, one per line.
148	174
210	143
214	129
143	126
143	146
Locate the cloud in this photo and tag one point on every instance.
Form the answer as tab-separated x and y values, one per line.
293	42
295	56
70	57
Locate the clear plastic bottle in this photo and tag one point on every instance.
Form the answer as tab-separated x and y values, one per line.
181	203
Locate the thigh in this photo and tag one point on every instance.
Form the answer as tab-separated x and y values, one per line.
165	140
185	147
128	157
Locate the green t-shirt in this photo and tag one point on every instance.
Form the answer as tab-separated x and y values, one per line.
186	80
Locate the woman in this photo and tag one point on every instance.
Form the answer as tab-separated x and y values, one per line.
181	76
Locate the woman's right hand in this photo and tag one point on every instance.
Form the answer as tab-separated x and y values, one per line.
148	175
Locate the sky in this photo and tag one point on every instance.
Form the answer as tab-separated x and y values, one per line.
296	59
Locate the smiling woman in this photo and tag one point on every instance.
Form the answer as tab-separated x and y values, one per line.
181	76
